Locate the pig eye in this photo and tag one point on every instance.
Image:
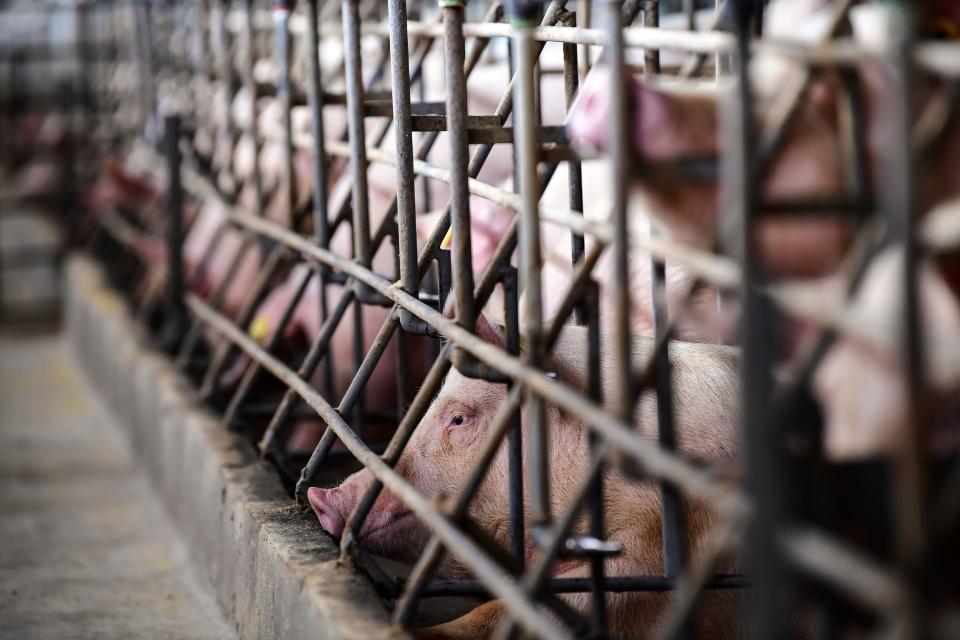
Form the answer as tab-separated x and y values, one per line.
459	419
941	28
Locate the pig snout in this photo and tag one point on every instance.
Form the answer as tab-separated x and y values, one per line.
389	528
331	507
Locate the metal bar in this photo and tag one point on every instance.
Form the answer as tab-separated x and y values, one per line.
321	215
765	615
281	18
400	76
671	519
254	124
911	490
357	134
526	117
176	311
461	255
612	584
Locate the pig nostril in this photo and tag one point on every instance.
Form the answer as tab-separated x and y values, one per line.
327	513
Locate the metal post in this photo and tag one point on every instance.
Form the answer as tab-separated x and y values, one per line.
357	136
281	19
321	214
526	132
461	255
672	521
251	83
911	469
176	309
403	126
765	616
620	157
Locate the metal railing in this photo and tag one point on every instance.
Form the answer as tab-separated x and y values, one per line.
787	554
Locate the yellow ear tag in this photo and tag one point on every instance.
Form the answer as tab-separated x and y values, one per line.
260	328
447	240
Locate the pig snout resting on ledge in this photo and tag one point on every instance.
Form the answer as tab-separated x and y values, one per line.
439	457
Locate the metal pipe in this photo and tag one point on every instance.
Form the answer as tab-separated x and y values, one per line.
357	134
526	120
176	311
456	103
402	120
765	615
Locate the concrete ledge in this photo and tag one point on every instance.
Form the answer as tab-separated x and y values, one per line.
274	573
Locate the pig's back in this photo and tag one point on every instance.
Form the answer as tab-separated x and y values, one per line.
706	388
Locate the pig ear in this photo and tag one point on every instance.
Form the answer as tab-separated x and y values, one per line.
490	332
488	225
653	105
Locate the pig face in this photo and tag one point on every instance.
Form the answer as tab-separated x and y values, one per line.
437	461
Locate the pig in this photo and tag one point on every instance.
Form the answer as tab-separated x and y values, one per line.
199	241
381	389
454	429
861	384
672	122
490	221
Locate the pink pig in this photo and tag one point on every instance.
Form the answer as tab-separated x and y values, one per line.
669	123
455	428
861	384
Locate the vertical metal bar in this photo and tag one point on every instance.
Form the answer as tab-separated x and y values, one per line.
671	521
176	310
358	163
571	84
526	134
254	131
651	18
321	213
357	134
221	50
281	20
461	256
690	13
620	158
590	303
516	531
911	488
765	615
583	19
403	126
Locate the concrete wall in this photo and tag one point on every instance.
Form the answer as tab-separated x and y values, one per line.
274	572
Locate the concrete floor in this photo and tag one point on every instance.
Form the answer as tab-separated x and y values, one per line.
86	550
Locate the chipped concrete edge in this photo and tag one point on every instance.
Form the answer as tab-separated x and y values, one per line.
274	574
